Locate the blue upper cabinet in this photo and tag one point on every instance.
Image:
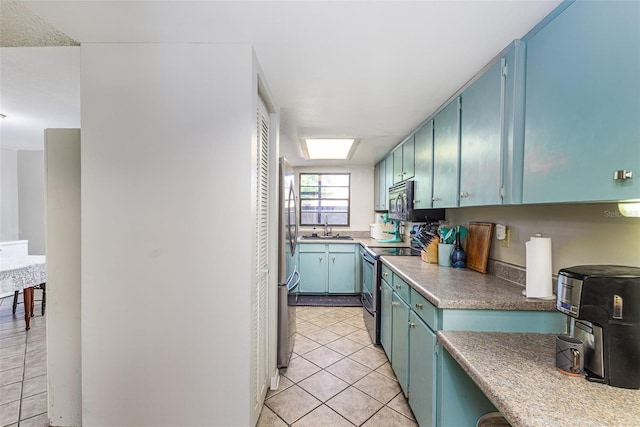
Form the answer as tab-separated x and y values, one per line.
403	161
380	187
423	166
446	149
491	132
582	117
388	168
481	139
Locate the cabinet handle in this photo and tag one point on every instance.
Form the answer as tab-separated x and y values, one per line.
464	194
435	199
385	274
621	175
333	259
320	259
404	173
412	325
416	201
418	305
398	286
395	303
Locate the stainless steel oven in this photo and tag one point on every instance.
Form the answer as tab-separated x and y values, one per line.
370	293
370	297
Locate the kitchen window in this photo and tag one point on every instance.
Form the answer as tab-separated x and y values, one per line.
324	197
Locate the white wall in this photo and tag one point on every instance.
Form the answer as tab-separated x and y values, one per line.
581	233
62	154
362	214
31	199
166	233
9	221
22	197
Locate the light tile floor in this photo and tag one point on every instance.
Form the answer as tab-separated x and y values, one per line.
23	367
336	376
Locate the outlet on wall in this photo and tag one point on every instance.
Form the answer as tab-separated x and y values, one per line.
502	234
505	241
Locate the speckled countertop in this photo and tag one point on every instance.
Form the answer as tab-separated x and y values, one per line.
447	287
516	371
367	241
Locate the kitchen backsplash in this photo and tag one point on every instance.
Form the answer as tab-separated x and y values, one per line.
580	233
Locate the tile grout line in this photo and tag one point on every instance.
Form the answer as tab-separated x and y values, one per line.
24	369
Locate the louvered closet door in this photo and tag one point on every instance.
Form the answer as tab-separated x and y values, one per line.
261	245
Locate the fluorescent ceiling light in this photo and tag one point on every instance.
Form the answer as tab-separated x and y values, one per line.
629	209
328	148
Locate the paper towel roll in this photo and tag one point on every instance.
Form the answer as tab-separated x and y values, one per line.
539	281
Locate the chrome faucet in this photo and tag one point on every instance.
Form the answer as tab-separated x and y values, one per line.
326	225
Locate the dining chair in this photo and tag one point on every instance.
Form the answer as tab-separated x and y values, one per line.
43	287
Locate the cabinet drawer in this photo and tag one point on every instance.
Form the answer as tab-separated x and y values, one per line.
386	274
401	287
312	247
424	309
342	247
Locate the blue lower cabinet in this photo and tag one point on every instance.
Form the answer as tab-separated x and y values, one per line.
461	402
342	272
400	341
422	371
440	393
328	268
313	272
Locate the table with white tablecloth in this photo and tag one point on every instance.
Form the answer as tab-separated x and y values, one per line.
23	273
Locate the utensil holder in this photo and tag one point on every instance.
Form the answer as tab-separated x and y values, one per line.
444	252
430	252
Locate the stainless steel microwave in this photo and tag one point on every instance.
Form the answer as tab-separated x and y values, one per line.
401	201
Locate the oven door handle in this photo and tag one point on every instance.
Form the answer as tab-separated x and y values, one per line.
366	306
367	257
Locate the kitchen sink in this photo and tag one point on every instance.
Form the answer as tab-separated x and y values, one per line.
336	237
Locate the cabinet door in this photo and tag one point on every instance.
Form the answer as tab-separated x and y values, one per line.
376	186
400	341
408	158
380	180
404	161
481	139
446	148
382	188
397	165
386	318
388	165
423	166
342	273
313	272
583	105
422	371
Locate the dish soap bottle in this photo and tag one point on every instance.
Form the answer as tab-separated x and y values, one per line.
458	257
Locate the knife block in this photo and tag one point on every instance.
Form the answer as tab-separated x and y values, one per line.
430	253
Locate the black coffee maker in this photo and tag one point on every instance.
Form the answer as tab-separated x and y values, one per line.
604	304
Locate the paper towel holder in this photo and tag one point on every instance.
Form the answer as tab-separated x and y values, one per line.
539	281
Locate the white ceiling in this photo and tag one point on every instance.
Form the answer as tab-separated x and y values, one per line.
367	69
